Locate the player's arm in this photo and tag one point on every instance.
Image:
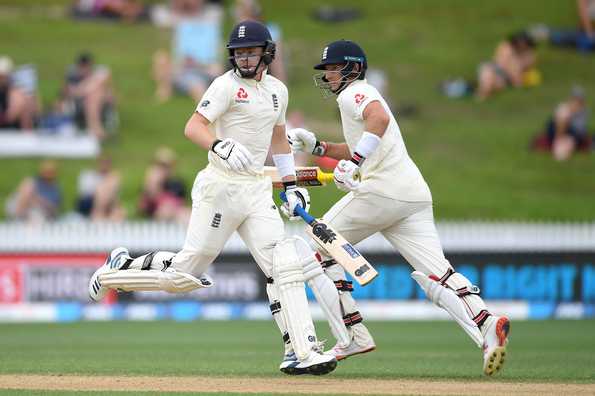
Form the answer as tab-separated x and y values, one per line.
347	172
376	119
337	151
282	155
284	161
197	131
236	156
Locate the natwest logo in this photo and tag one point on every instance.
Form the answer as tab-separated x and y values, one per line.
242	94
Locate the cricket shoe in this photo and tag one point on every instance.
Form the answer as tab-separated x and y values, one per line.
113	262
495	333
361	342
340	352
315	364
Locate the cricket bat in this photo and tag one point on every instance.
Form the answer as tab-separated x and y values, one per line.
337	247
306	176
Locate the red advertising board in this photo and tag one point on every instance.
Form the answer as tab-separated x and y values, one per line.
46	277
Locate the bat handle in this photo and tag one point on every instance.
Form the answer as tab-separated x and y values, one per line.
299	211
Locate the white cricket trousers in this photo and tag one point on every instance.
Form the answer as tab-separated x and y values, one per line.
222	205
408	226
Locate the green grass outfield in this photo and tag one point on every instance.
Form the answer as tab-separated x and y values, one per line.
473	155
539	351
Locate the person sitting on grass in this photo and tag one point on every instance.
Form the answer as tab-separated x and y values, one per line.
88	87
195	59
512	66
98	192
18	108
164	194
566	132
37	198
581	38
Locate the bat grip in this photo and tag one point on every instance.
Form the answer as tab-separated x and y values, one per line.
299	211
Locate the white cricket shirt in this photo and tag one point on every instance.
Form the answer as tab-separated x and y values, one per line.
389	171
245	110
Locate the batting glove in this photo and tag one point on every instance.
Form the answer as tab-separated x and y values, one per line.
301	139
235	156
347	175
295	196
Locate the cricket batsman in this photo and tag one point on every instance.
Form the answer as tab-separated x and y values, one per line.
387	194
239	117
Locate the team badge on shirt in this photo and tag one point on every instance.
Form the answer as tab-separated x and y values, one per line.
359	98
275	102
242	96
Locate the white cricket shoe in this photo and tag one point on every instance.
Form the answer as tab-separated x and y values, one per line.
112	262
340	352
495	332
316	364
361	342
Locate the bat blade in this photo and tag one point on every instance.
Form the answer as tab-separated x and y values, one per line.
343	252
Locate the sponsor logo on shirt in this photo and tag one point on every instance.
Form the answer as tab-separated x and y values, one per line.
205	103
242	96
359	98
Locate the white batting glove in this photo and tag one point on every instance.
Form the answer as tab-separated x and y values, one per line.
301	139
347	175
295	196
236	156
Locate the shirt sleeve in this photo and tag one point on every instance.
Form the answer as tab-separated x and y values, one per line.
358	98
215	101
283	105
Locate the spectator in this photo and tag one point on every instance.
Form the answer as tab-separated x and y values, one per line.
88	89
566	132
586	11
582	38
196	58
246	10
37	198
98	192
512	66
125	10
18	107
164	195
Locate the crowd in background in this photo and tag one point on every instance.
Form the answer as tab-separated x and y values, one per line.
86	100
39	198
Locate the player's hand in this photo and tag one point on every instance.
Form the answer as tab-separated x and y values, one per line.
347	175
295	196
301	139
236	156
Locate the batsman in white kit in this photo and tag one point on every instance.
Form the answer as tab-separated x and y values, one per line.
245	108
387	194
